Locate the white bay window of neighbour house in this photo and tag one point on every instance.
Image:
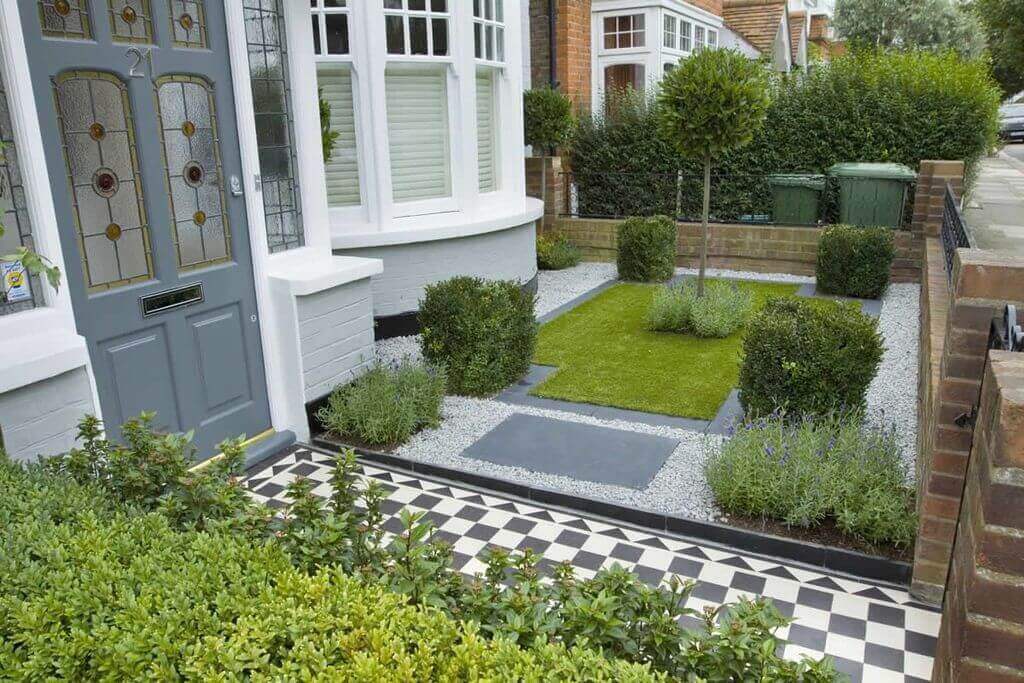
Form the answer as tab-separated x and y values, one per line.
332	50
669	39
416	27
624	31
271	96
698	37
417	112
16	294
685	35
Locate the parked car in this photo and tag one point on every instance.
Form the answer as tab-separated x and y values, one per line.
1011	122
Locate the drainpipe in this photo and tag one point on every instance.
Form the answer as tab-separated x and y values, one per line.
552	41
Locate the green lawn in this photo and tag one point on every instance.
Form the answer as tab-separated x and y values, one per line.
606	357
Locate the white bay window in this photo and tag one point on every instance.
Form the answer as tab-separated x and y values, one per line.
486	130
417	106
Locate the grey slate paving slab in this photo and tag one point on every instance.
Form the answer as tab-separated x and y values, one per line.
571	449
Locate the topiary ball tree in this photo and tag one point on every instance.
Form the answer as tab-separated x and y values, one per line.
548	122
712	102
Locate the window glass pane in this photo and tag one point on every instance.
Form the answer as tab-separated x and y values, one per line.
489	42
439	5
271	95
341	170
392	4
418	5
499	10
316	35
67	19
609	25
28	293
337	33
489	9
188	21
440	31
334	3
625	40
638	22
478	41
395	30
609	41
417	110
499	34
477	8
102	166
624	23
418	36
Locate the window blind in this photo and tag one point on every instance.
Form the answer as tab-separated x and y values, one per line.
487	153
417	103
342	171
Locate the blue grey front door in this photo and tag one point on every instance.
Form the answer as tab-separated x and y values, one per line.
136	106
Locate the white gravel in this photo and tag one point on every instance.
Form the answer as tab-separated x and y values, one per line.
679	487
749	275
892	396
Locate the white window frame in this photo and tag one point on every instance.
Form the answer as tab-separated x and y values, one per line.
711	36
670	31
686	35
632	32
494	8
429	15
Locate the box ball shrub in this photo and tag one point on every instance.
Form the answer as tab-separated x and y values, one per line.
647	249
481	332
556	252
808	357
854	261
386	405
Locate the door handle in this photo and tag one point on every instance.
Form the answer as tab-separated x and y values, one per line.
236	186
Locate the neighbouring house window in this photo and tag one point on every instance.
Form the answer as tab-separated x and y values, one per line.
667	68
685	39
624	31
271	97
698	37
417	111
416	27
489	30
670	32
342	169
712	38
330	26
486	129
622	76
27	293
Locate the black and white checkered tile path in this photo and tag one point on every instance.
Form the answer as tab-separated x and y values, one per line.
874	633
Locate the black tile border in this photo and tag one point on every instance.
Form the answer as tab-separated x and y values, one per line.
839	561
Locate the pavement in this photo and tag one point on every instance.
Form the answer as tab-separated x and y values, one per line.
995	208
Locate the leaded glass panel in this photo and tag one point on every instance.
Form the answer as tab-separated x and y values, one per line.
188	21
14	216
65	19
103	173
271	95
130	21
188	131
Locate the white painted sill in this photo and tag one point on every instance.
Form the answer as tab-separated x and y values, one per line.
307	271
497	213
38	346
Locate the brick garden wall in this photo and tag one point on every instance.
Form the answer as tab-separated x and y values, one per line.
981	638
759	248
555	197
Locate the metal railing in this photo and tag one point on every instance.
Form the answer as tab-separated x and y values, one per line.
954	230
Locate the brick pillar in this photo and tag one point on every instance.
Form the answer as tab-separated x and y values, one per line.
982	633
555	200
540	45
983	283
931	191
572	50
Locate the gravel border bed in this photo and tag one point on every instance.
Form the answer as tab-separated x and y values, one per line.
679	487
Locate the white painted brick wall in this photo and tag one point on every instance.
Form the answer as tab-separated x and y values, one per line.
335	336
42	418
509	254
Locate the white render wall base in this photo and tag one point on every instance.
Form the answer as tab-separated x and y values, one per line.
41	419
509	254
336	336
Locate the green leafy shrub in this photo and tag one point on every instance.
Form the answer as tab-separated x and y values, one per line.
647	249
807	472
807	358
385	406
481	332
889	106
722	310
547	118
855	261
556	252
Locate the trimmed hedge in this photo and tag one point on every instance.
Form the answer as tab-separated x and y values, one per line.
854	261
556	252
901	107
385	406
647	249
481	332
98	596
808	358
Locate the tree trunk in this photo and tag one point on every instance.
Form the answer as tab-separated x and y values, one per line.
704	226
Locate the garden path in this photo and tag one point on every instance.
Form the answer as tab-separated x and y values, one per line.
874	632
